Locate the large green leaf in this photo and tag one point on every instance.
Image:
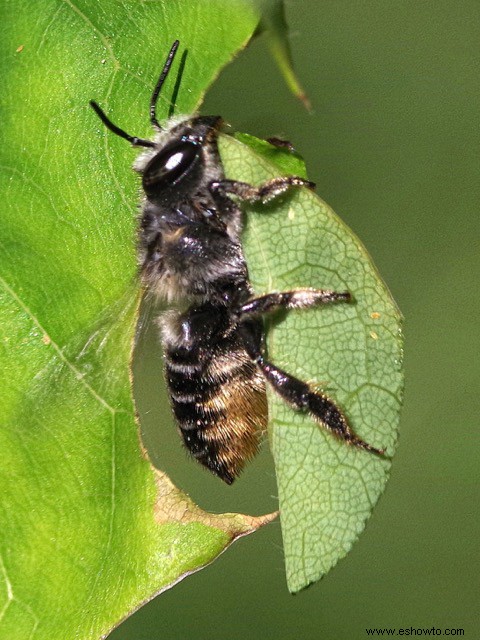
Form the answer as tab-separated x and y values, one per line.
88	530
354	351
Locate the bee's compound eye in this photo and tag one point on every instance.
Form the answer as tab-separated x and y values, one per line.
169	165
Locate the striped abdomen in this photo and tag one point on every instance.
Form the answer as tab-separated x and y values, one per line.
218	394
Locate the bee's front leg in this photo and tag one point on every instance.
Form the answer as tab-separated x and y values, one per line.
261	194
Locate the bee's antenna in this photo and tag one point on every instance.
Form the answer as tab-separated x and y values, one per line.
161	80
137	142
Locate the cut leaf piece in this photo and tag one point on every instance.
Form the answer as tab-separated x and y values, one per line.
327	489
287	161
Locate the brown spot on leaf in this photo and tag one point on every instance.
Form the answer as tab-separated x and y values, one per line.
172	505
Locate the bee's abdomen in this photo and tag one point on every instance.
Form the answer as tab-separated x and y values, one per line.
219	401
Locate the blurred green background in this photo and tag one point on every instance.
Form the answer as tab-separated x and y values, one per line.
393	144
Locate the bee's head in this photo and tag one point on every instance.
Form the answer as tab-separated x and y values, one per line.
180	156
174	156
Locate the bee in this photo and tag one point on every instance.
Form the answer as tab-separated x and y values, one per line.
190	254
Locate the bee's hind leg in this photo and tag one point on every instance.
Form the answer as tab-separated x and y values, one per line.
297	393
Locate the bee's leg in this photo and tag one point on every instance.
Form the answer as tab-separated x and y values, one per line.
296	299
280	143
299	394
264	193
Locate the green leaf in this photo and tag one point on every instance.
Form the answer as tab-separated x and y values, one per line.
275	26
354	351
286	161
86	524
89	530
